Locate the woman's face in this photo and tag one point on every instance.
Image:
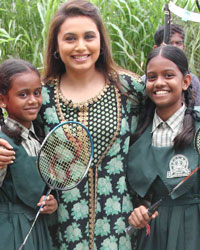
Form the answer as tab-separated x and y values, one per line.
79	44
165	84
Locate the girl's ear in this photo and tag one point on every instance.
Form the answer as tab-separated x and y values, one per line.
186	81
2	103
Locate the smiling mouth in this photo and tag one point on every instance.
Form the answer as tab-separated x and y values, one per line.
161	92
32	109
80	58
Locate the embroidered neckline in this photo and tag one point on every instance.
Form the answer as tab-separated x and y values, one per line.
59	95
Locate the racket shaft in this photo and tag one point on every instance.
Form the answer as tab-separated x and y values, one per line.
29	232
130	229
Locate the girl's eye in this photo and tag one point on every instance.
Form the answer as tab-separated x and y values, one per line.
169	75
37	93
23	94
151	77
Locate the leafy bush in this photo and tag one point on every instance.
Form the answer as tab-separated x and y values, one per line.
130	23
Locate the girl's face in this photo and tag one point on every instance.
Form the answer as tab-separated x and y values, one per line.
79	44
165	84
24	99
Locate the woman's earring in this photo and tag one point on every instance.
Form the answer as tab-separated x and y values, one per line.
56	55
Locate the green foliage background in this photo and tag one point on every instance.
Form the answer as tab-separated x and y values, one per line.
130	23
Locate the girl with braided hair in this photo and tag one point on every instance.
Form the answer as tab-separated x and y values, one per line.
164	139
21	187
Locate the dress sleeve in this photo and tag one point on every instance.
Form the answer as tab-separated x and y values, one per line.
134	87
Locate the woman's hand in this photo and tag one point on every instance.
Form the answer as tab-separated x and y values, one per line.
139	218
49	206
7	155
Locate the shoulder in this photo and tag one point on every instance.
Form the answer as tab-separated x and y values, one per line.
131	80
194	79
10	140
48	91
6	137
49	85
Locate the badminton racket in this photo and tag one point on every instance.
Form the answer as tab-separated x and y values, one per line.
64	159
130	229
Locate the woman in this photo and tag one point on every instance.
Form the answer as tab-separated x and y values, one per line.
82	83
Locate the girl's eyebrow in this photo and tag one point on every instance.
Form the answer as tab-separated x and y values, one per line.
27	89
168	69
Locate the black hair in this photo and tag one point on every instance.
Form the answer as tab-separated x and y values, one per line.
174	28
9	69
178	57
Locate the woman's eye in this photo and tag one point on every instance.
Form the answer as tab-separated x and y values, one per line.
89	37
70	39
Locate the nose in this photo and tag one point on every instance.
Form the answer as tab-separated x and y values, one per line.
159	81
80	46
32	99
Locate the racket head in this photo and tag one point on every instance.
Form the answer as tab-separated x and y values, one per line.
65	155
197	141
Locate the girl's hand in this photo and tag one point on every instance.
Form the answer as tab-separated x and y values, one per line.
139	218
7	155
49	206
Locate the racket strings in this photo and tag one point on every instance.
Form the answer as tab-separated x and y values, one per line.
65	156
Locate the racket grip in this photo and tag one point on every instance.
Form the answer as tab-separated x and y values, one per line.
154	207
130	229
21	247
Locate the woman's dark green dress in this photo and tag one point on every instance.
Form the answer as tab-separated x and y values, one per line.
177	226
19	195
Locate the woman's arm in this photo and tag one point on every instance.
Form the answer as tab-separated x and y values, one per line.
7	155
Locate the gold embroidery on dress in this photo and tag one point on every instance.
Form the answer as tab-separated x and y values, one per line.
83	117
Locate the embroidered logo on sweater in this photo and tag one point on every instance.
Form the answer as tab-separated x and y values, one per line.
179	167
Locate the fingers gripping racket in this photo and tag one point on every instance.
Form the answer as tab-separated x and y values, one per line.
130	229
64	159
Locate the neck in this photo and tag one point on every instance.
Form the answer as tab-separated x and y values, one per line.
165	113
80	78
81	87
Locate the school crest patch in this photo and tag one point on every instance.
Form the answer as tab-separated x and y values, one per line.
179	166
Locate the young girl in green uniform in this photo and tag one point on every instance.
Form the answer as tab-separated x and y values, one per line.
21	187
163	154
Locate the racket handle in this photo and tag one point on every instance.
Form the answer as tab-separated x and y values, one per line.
26	238
22	247
130	229
154	207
